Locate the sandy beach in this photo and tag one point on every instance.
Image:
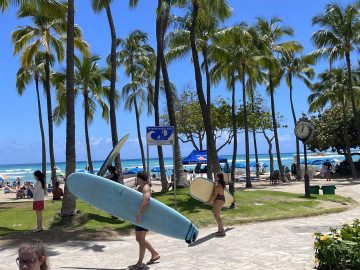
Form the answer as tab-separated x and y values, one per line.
262	184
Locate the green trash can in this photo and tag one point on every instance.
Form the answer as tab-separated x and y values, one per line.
314	189
328	190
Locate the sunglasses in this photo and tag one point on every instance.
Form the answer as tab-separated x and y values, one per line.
28	262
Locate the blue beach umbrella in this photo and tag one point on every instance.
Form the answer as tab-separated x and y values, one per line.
253	164
265	165
303	162
133	171
316	162
157	169
240	165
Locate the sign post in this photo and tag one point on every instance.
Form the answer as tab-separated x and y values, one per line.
161	135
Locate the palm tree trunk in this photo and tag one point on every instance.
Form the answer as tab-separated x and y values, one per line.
164	183
347	144
247	151
88	151
270	153
179	169
254	138
298	167
139	135
43	147
69	200
233	114
275	131
356	118
114	135
214	159
50	123
211	148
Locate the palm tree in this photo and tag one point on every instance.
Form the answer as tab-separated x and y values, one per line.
47	32
338	38
220	6
88	82
69	201
98	6
333	87
48	6
163	13
270	34
134	48
297	67
238	43
24	77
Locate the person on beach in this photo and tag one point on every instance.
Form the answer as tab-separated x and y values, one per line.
57	191
219	200
32	256
140	232
112	174
327	169
38	192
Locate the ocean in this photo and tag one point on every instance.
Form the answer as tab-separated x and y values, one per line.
25	171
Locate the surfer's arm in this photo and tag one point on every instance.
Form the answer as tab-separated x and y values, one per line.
213	195
145	203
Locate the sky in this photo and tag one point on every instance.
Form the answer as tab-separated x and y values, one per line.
20	140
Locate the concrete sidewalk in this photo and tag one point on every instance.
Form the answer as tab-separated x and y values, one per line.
283	244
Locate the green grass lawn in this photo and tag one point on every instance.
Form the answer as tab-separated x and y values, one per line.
250	206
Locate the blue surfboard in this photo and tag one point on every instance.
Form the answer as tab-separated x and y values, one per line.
124	202
108	161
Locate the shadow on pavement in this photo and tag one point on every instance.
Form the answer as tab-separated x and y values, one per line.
207	238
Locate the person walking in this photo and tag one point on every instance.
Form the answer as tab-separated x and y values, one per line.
38	191
219	200
140	232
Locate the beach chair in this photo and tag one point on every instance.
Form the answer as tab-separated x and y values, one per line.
274	178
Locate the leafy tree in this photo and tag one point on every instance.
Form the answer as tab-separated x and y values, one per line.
270	33
189	119
98	6
219	6
296	67
338	38
163	12
88	83
24	77
47	33
332	87
133	50
260	120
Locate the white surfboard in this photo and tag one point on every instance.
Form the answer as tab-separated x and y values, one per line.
110	158
202	189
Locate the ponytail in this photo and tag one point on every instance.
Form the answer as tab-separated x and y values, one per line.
221	179
41	177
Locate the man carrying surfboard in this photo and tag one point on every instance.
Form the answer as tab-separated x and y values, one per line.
140	232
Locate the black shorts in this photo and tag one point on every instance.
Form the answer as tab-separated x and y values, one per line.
140	229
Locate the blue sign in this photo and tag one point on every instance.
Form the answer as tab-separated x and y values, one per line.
160	135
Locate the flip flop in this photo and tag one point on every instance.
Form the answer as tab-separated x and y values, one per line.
153	260
220	234
136	267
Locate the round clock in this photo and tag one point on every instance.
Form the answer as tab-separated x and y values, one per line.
303	130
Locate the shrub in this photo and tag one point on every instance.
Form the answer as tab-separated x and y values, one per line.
340	249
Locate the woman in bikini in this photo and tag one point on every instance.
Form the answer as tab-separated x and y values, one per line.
219	200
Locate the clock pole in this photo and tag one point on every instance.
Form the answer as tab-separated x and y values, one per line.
306	175
305	137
